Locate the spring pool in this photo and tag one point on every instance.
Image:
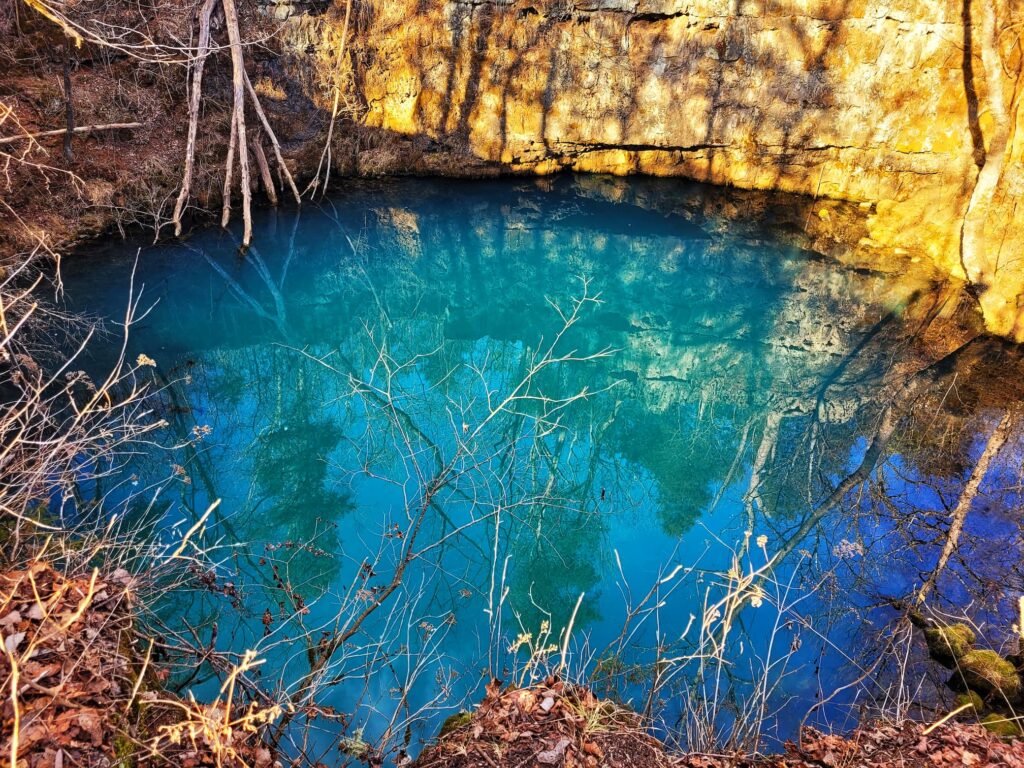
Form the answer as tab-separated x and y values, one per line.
447	420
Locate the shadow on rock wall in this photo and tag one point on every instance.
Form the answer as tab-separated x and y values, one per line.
830	99
880	102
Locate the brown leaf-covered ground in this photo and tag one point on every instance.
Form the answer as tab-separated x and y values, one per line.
953	745
558	724
63	664
77	692
113	177
125	179
555	723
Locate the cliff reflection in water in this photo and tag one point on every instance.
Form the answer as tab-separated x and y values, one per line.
578	385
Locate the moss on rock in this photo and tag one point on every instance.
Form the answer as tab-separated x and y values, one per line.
988	673
1001	725
971	698
456	721
950	643
124	752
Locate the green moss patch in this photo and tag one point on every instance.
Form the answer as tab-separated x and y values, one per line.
456	721
1001	725
989	673
972	698
949	644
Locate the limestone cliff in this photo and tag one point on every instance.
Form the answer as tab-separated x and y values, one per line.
889	103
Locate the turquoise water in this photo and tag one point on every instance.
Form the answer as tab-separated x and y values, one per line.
540	403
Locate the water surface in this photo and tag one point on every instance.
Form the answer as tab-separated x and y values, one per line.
544	402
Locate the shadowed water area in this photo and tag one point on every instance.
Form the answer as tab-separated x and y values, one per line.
443	418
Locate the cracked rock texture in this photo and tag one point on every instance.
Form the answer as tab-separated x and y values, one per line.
873	101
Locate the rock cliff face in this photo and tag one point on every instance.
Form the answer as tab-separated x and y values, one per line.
890	103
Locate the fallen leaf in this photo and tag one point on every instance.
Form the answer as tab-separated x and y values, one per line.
554	755
592	749
91	723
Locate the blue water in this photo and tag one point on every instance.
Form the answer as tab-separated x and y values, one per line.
525	395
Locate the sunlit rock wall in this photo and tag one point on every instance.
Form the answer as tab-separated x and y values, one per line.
867	100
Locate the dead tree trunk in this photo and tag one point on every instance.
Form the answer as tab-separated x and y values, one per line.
325	156
264	168
62	131
229	169
203	51
238	124
69	106
239	140
273	139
